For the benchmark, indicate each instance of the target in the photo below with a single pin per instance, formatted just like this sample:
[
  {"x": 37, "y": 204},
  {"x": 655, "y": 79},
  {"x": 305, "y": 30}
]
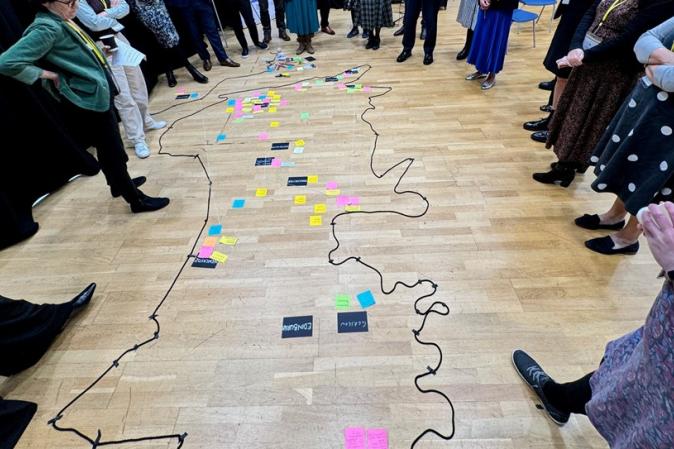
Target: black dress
[{"x": 559, "y": 47}]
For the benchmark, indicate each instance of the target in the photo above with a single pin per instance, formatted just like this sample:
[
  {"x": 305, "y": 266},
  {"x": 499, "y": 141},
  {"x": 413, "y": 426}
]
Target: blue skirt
[
  {"x": 301, "y": 16},
  {"x": 490, "y": 43}
]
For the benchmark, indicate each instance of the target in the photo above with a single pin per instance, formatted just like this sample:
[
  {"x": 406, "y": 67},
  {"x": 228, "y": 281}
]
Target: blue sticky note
[
  {"x": 365, "y": 299},
  {"x": 231, "y": 102},
  {"x": 194, "y": 95},
  {"x": 215, "y": 230},
  {"x": 238, "y": 203},
  {"x": 221, "y": 137}
]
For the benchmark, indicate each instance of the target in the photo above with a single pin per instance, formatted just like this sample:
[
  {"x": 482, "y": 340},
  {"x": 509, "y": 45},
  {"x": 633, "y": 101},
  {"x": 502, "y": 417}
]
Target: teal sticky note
[
  {"x": 215, "y": 230},
  {"x": 221, "y": 137},
  {"x": 194, "y": 95},
  {"x": 366, "y": 299},
  {"x": 238, "y": 203},
  {"x": 231, "y": 102}
]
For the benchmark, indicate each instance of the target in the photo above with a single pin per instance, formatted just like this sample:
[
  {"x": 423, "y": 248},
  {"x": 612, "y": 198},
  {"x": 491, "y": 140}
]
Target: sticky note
[
  {"x": 221, "y": 137},
  {"x": 342, "y": 302},
  {"x": 238, "y": 203},
  {"x": 220, "y": 257},
  {"x": 366, "y": 299},
  {"x": 341, "y": 86},
  {"x": 298, "y": 150},
  {"x": 300, "y": 199},
  {"x": 210, "y": 241},
  {"x": 194, "y": 95},
  {"x": 261, "y": 192},
  {"x": 231, "y": 102},
  {"x": 304, "y": 116},
  {"x": 299, "y": 143},
  {"x": 313, "y": 179},
  {"x": 352, "y": 208},
  {"x": 342, "y": 200},
  {"x": 334, "y": 192},
  {"x": 284, "y": 102},
  {"x": 205, "y": 252},
  {"x": 354, "y": 438},
  {"x": 276, "y": 162},
  {"x": 377, "y": 439},
  {"x": 331, "y": 185},
  {"x": 272, "y": 109},
  {"x": 215, "y": 230},
  {"x": 274, "y": 124},
  {"x": 229, "y": 110},
  {"x": 228, "y": 240},
  {"x": 354, "y": 200},
  {"x": 315, "y": 220},
  {"x": 263, "y": 136},
  {"x": 367, "y": 89},
  {"x": 287, "y": 164},
  {"x": 320, "y": 208}
]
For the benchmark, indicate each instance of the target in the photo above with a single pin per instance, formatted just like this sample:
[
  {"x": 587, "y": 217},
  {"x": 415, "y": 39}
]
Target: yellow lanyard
[
  {"x": 89, "y": 43},
  {"x": 608, "y": 12}
]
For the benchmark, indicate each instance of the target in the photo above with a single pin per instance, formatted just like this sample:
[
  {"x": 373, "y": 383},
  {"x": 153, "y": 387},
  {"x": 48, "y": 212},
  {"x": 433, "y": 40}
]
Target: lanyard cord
[
  {"x": 614, "y": 5},
  {"x": 89, "y": 43}
]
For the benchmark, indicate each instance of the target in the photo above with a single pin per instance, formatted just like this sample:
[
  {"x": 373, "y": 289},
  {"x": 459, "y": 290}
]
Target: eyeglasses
[{"x": 69, "y": 3}]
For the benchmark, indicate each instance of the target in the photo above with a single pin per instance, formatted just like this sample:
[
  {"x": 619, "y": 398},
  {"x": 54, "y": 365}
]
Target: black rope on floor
[{"x": 154, "y": 317}]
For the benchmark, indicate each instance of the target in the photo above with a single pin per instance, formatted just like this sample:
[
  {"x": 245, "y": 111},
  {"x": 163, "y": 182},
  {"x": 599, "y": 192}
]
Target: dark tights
[{"x": 569, "y": 397}]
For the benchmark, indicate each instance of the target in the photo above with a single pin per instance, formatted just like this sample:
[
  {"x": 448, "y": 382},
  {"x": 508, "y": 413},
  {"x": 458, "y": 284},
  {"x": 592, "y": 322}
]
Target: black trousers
[
  {"x": 280, "y": 14},
  {"x": 200, "y": 20},
  {"x": 324, "y": 9},
  {"x": 430, "y": 10},
  {"x": 243, "y": 8},
  {"x": 569, "y": 397},
  {"x": 101, "y": 130}
]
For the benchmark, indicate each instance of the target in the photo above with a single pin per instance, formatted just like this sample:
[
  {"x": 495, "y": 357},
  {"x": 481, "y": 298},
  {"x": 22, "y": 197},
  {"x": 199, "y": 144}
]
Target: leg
[
  {"x": 615, "y": 214},
  {"x": 204, "y": 13},
  {"x": 557, "y": 92},
  {"x": 129, "y": 111},
  {"x": 247, "y": 14},
  {"x": 280, "y": 14},
  {"x": 324, "y": 8},
  {"x": 412, "y": 11},
  {"x": 264, "y": 15},
  {"x": 569, "y": 397},
  {"x": 627, "y": 235},
  {"x": 430, "y": 12},
  {"x": 191, "y": 19}
]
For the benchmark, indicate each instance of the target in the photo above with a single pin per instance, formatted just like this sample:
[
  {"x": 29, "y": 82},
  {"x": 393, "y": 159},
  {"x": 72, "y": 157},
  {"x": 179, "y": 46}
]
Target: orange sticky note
[
  {"x": 210, "y": 241},
  {"x": 315, "y": 220}
]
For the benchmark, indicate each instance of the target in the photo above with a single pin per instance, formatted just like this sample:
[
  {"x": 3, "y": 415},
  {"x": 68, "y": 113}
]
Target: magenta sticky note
[
  {"x": 342, "y": 200},
  {"x": 276, "y": 162},
  {"x": 341, "y": 86},
  {"x": 263, "y": 136},
  {"x": 284, "y": 102},
  {"x": 205, "y": 252},
  {"x": 377, "y": 439},
  {"x": 331, "y": 185},
  {"x": 354, "y": 200},
  {"x": 354, "y": 438},
  {"x": 257, "y": 108},
  {"x": 238, "y": 114},
  {"x": 366, "y": 89}
]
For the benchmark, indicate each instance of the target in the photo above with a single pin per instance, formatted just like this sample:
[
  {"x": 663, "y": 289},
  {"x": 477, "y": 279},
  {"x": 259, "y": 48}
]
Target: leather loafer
[
  {"x": 428, "y": 59},
  {"x": 399, "y": 32},
  {"x": 540, "y": 136},
  {"x": 146, "y": 203},
  {"x": 229, "y": 63},
  {"x": 537, "y": 125},
  {"x": 606, "y": 245},
  {"x": 546, "y": 85},
  {"x": 546, "y": 108},
  {"x": 404, "y": 56},
  {"x": 593, "y": 222},
  {"x": 139, "y": 181},
  {"x": 328, "y": 30},
  {"x": 207, "y": 65},
  {"x": 261, "y": 45}
]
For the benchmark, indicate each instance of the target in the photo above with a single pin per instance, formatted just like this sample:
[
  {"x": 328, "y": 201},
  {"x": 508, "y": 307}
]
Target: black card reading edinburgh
[
  {"x": 204, "y": 263},
  {"x": 331, "y": 78},
  {"x": 309, "y": 58},
  {"x": 297, "y": 326},
  {"x": 263, "y": 161},
  {"x": 297, "y": 181},
  {"x": 182, "y": 96},
  {"x": 351, "y": 322},
  {"x": 280, "y": 146}
]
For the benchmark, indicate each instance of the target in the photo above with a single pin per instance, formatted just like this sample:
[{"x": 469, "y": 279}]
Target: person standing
[
  {"x": 81, "y": 80},
  {"x": 373, "y": 15},
  {"x": 430, "y": 10},
  {"x": 303, "y": 21},
  {"x": 467, "y": 17},
  {"x": 279, "y": 11},
  {"x": 234, "y": 10},
  {"x": 324, "y": 8}
]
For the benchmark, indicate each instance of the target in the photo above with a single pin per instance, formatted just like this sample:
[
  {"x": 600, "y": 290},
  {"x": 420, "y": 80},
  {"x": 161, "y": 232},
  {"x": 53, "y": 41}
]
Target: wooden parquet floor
[{"x": 503, "y": 249}]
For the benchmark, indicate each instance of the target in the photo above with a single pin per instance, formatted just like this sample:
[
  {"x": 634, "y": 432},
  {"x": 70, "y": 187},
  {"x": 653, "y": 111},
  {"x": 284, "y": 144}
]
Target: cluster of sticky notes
[
  {"x": 207, "y": 254},
  {"x": 365, "y": 299},
  {"x": 350, "y": 203},
  {"x": 248, "y": 107},
  {"x": 360, "y": 438}
]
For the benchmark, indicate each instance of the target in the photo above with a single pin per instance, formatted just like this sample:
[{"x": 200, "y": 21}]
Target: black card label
[
  {"x": 297, "y": 181},
  {"x": 204, "y": 263},
  {"x": 351, "y": 322},
  {"x": 297, "y": 326}
]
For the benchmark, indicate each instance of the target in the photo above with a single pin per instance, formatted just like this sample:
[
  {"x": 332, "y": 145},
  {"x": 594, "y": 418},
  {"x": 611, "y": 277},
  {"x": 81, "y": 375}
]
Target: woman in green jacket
[{"x": 75, "y": 71}]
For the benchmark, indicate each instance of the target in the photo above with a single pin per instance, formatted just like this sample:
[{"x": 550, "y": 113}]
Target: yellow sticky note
[
  {"x": 210, "y": 241},
  {"x": 315, "y": 220},
  {"x": 313, "y": 179},
  {"x": 300, "y": 199},
  {"x": 274, "y": 124},
  {"x": 229, "y": 110},
  {"x": 352, "y": 208},
  {"x": 272, "y": 108},
  {"x": 261, "y": 192},
  {"x": 226, "y": 240},
  {"x": 218, "y": 256},
  {"x": 333, "y": 192},
  {"x": 299, "y": 143},
  {"x": 320, "y": 208}
]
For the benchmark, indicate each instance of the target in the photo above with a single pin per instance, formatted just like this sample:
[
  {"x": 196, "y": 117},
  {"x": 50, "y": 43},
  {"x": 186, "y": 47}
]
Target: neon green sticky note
[{"x": 342, "y": 302}]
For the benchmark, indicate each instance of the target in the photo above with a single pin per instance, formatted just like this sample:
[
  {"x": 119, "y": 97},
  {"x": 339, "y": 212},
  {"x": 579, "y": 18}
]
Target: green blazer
[{"x": 50, "y": 40}]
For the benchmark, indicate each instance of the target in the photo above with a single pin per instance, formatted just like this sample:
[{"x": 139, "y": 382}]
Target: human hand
[
  {"x": 649, "y": 73},
  {"x": 563, "y": 63},
  {"x": 656, "y": 222},
  {"x": 54, "y": 77},
  {"x": 575, "y": 57},
  {"x": 661, "y": 56},
  {"x": 484, "y": 4}
]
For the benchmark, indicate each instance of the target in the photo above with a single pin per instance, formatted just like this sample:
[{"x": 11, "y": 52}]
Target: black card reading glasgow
[{"x": 351, "y": 322}]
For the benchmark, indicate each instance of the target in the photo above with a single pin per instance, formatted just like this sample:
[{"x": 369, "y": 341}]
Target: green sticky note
[
  {"x": 342, "y": 302},
  {"x": 304, "y": 116}
]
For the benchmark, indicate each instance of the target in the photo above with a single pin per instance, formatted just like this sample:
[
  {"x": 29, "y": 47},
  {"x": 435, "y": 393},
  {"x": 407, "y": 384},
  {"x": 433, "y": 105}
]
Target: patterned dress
[
  {"x": 154, "y": 15},
  {"x": 373, "y": 14},
  {"x": 467, "y": 15}
]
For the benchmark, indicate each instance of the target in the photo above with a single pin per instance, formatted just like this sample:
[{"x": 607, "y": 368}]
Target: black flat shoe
[
  {"x": 404, "y": 55},
  {"x": 146, "y": 203},
  {"x": 139, "y": 181},
  {"x": 428, "y": 59},
  {"x": 83, "y": 299},
  {"x": 579, "y": 170},
  {"x": 563, "y": 176},
  {"x": 353, "y": 33},
  {"x": 463, "y": 54},
  {"x": 261, "y": 45},
  {"x": 207, "y": 65},
  {"x": 546, "y": 85},
  {"x": 171, "y": 79},
  {"x": 605, "y": 245},
  {"x": 546, "y": 108},
  {"x": 370, "y": 42},
  {"x": 537, "y": 125},
  {"x": 593, "y": 222},
  {"x": 399, "y": 32},
  {"x": 540, "y": 136}
]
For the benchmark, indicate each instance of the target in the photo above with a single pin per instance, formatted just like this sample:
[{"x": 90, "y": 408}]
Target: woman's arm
[
  {"x": 584, "y": 26},
  {"x": 119, "y": 9},
  {"x": 19, "y": 60},
  {"x": 649, "y": 47}
]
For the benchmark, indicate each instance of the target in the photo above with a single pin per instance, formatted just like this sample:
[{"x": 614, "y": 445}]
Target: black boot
[
  {"x": 197, "y": 75},
  {"x": 370, "y": 41},
  {"x": 404, "y": 55},
  {"x": 283, "y": 35},
  {"x": 463, "y": 54},
  {"x": 377, "y": 43},
  {"x": 171, "y": 78},
  {"x": 267, "y": 36},
  {"x": 563, "y": 172}
]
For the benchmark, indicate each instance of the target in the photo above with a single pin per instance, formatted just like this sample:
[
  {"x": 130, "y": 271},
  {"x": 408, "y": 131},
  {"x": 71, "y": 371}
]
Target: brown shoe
[
  {"x": 309, "y": 47},
  {"x": 229, "y": 63},
  {"x": 328, "y": 30},
  {"x": 207, "y": 65},
  {"x": 302, "y": 45}
]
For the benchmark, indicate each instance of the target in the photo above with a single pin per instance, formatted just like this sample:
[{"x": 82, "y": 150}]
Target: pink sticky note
[
  {"x": 257, "y": 108},
  {"x": 377, "y": 439},
  {"x": 255, "y": 94},
  {"x": 205, "y": 252},
  {"x": 276, "y": 162},
  {"x": 284, "y": 102},
  {"x": 354, "y": 438},
  {"x": 342, "y": 200},
  {"x": 331, "y": 185},
  {"x": 263, "y": 136},
  {"x": 341, "y": 86},
  {"x": 354, "y": 200},
  {"x": 238, "y": 114},
  {"x": 366, "y": 89}
]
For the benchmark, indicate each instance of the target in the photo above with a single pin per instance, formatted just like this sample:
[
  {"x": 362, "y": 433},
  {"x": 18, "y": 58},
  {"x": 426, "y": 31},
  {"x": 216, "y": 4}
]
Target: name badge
[{"x": 591, "y": 40}]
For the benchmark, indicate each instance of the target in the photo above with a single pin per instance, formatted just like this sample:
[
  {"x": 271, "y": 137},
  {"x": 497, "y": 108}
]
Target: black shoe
[
  {"x": 83, "y": 299},
  {"x": 536, "y": 378},
  {"x": 428, "y": 59},
  {"x": 404, "y": 55},
  {"x": 540, "y": 136},
  {"x": 283, "y": 35},
  {"x": 422, "y": 35},
  {"x": 605, "y": 245},
  {"x": 377, "y": 43},
  {"x": 537, "y": 125},
  {"x": 463, "y": 54},
  {"x": 207, "y": 65},
  {"x": 366, "y": 34},
  {"x": 244, "y": 52},
  {"x": 328, "y": 30},
  {"x": 196, "y": 75},
  {"x": 370, "y": 42},
  {"x": 171, "y": 79},
  {"x": 146, "y": 203},
  {"x": 267, "y": 36},
  {"x": 562, "y": 174},
  {"x": 353, "y": 33},
  {"x": 139, "y": 181},
  {"x": 546, "y": 108},
  {"x": 593, "y": 222},
  {"x": 261, "y": 45},
  {"x": 229, "y": 63},
  {"x": 546, "y": 85},
  {"x": 579, "y": 170},
  {"x": 400, "y": 31}
]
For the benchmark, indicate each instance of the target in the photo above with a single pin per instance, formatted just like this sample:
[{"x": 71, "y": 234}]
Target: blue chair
[
  {"x": 542, "y": 4},
  {"x": 522, "y": 16}
]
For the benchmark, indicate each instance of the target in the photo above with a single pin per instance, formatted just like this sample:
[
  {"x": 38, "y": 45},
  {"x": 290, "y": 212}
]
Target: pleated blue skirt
[
  {"x": 301, "y": 16},
  {"x": 490, "y": 41}
]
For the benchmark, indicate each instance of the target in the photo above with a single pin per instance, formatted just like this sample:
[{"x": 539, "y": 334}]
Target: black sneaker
[
  {"x": 146, "y": 203},
  {"x": 535, "y": 377}
]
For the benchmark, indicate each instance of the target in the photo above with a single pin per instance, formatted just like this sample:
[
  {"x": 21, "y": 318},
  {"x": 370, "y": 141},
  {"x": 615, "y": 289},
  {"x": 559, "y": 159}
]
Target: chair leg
[{"x": 533, "y": 26}]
